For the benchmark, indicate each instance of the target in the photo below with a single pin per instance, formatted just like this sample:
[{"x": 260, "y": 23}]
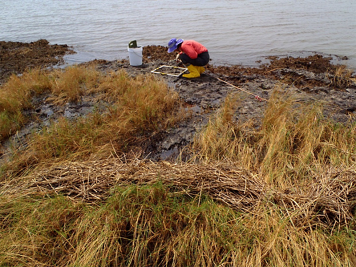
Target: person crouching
[{"x": 192, "y": 54}]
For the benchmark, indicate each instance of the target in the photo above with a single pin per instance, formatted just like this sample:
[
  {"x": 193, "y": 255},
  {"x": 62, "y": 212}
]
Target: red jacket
[{"x": 192, "y": 48}]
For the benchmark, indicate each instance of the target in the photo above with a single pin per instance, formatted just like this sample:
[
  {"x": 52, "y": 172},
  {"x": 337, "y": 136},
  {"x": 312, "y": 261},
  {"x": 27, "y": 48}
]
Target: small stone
[{"x": 266, "y": 86}]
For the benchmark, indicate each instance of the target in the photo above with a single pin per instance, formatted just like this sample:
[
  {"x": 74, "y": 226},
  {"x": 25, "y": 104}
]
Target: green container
[{"x": 133, "y": 44}]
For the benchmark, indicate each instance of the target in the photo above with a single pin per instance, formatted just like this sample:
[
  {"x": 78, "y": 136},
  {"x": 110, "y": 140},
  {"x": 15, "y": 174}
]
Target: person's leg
[
  {"x": 195, "y": 66},
  {"x": 185, "y": 59},
  {"x": 201, "y": 60}
]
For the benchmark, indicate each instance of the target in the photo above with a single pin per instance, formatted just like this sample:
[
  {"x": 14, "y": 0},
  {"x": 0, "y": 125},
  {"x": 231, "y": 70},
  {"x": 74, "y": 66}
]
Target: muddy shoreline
[
  {"x": 16, "y": 57},
  {"x": 310, "y": 79}
]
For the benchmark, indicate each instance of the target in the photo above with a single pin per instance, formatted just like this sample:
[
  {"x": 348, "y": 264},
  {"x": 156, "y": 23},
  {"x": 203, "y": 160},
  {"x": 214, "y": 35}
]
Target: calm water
[{"x": 234, "y": 31}]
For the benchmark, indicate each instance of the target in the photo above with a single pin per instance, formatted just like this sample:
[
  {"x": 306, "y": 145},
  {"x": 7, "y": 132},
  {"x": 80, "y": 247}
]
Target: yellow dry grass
[
  {"x": 167, "y": 218},
  {"x": 342, "y": 77},
  {"x": 15, "y": 96},
  {"x": 280, "y": 195},
  {"x": 135, "y": 109},
  {"x": 294, "y": 141}
]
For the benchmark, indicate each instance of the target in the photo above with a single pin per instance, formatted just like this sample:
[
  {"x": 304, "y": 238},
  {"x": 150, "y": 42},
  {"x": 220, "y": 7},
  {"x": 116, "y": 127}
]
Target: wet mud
[{"x": 309, "y": 79}]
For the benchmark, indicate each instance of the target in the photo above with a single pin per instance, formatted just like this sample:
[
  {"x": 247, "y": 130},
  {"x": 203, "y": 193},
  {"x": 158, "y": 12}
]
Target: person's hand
[{"x": 177, "y": 58}]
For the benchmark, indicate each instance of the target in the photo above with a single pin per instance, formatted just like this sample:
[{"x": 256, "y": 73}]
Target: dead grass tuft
[
  {"x": 294, "y": 141},
  {"x": 137, "y": 108},
  {"x": 342, "y": 77},
  {"x": 73, "y": 82},
  {"x": 15, "y": 96}
]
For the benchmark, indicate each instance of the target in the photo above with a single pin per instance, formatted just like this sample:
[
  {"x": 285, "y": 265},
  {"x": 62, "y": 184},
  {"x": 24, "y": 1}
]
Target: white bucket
[{"x": 135, "y": 55}]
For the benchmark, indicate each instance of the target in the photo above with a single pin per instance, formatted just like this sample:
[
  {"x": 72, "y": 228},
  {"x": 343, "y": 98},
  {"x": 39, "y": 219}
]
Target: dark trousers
[{"x": 201, "y": 60}]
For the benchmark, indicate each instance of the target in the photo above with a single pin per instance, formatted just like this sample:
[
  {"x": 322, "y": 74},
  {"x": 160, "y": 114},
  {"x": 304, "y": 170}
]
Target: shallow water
[{"x": 234, "y": 31}]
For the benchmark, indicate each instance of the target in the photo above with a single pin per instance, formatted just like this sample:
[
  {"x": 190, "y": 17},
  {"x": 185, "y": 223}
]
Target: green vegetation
[{"x": 287, "y": 198}]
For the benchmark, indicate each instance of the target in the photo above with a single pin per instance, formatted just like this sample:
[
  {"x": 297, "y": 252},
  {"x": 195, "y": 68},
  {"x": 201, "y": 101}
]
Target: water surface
[{"x": 234, "y": 31}]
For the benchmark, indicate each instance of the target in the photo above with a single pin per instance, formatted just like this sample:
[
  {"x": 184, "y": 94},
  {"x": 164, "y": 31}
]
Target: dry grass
[
  {"x": 169, "y": 217},
  {"x": 342, "y": 77},
  {"x": 137, "y": 108},
  {"x": 329, "y": 198},
  {"x": 137, "y": 99},
  {"x": 70, "y": 84},
  {"x": 280, "y": 195},
  {"x": 294, "y": 142},
  {"x": 17, "y": 92},
  {"x": 15, "y": 96}
]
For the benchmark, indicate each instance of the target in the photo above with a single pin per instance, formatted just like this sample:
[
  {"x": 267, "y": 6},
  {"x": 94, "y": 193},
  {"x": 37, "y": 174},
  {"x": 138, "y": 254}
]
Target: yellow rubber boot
[
  {"x": 201, "y": 69},
  {"x": 193, "y": 72}
]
